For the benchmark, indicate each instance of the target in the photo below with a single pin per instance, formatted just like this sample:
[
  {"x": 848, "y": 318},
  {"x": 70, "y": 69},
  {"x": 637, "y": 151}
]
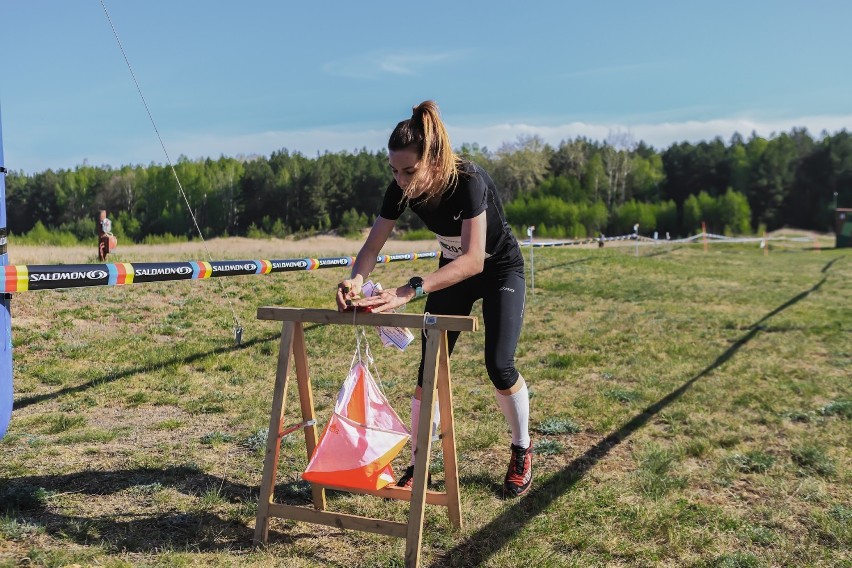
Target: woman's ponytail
[{"x": 425, "y": 131}]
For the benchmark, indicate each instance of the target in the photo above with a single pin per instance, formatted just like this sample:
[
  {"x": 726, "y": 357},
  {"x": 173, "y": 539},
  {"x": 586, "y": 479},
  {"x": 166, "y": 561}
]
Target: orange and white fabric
[{"x": 361, "y": 439}]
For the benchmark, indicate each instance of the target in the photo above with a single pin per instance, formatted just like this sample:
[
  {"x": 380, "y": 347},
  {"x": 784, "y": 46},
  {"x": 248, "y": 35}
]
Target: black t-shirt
[{"x": 473, "y": 193}]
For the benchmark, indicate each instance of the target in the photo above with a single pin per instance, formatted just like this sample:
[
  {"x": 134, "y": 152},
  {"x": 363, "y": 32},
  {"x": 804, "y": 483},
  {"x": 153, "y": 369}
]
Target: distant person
[
  {"x": 106, "y": 240},
  {"x": 480, "y": 259}
]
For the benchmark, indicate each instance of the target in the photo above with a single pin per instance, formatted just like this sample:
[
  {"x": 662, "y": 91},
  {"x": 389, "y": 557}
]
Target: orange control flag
[{"x": 362, "y": 438}]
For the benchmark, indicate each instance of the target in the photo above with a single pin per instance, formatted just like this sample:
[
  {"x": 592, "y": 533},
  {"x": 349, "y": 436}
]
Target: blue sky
[{"x": 253, "y": 77}]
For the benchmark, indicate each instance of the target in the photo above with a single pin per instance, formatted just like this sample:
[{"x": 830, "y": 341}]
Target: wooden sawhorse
[{"x": 436, "y": 376}]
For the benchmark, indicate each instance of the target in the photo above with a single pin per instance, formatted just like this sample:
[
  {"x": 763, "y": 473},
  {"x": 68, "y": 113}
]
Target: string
[
  {"x": 368, "y": 354},
  {"x": 372, "y": 362},
  {"x": 238, "y": 326},
  {"x": 357, "y": 337}
]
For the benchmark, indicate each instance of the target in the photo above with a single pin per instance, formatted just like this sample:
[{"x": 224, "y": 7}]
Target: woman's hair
[{"x": 425, "y": 133}]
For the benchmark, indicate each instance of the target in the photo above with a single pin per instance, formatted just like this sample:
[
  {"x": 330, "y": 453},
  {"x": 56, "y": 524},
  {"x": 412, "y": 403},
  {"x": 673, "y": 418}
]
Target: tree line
[{"x": 579, "y": 188}]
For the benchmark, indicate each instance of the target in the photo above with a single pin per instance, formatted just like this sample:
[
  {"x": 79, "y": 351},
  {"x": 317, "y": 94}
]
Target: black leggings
[{"x": 503, "y": 295}]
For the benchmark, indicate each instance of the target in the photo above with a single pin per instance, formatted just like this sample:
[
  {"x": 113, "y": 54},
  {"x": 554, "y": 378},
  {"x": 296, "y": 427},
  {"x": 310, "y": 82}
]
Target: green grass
[{"x": 688, "y": 409}]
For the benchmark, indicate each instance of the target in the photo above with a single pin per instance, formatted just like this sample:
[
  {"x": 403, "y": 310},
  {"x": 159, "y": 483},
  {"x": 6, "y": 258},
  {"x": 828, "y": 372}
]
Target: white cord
[
  {"x": 174, "y": 172},
  {"x": 368, "y": 354}
]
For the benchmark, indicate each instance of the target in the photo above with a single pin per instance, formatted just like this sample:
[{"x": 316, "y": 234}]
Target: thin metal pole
[{"x": 530, "y": 230}]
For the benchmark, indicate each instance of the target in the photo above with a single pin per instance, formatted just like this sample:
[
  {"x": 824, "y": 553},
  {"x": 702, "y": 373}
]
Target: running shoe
[
  {"x": 407, "y": 479},
  {"x": 519, "y": 476}
]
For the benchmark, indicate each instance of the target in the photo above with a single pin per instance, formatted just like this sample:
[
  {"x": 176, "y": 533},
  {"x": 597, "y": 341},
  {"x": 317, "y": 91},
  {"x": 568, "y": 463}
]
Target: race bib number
[{"x": 451, "y": 247}]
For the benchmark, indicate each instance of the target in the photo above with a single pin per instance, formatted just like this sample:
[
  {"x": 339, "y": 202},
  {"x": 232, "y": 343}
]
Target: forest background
[{"x": 580, "y": 188}]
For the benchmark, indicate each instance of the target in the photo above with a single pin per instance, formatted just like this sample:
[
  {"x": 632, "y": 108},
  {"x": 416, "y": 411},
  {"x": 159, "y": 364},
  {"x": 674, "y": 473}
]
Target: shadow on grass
[
  {"x": 488, "y": 539},
  {"x": 27, "y": 500},
  {"x": 110, "y": 377},
  {"x": 828, "y": 265}
]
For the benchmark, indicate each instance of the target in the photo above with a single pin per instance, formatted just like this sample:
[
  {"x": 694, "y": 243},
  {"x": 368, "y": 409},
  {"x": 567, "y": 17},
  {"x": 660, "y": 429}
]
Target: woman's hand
[
  {"x": 348, "y": 290},
  {"x": 365, "y": 262},
  {"x": 386, "y": 300}
]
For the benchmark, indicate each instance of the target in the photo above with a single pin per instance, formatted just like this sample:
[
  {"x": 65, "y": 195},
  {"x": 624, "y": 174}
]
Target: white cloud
[
  {"x": 660, "y": 135},
  {"x": 346, "y": 138},
  {"x": 617, "y": 70},
  {"x": 373, "y": 64},
  {"x": 352, "y": 138}
]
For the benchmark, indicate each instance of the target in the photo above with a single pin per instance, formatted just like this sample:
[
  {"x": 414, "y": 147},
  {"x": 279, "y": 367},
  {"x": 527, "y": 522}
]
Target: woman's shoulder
[
  {"x": 469, "y": 168},
  {"x": 471, "y": 172}
]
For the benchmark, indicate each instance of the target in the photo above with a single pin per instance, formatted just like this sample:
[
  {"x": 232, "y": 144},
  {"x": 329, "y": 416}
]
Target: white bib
[{"x": 451, "y": 247}]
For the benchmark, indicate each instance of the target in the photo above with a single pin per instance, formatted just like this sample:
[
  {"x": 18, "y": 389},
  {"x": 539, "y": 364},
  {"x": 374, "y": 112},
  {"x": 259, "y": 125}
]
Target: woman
[{"x": 480, "y": 259}]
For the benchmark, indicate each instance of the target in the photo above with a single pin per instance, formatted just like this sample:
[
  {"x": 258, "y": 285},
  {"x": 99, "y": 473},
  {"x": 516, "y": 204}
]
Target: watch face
[{"x": 416, "y": 282}]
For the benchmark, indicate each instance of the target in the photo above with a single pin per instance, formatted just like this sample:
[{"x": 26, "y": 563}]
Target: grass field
[{"x": 689, "y": 408}]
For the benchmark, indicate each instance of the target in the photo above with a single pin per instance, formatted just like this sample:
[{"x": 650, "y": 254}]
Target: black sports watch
[{"x": 416, "y": 284}]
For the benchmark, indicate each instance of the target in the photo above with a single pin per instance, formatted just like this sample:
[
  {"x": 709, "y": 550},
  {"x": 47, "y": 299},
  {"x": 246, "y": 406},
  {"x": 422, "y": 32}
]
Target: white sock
[
  {"x": 516, "y": 409},
  {"x": 415, "y": 420}
]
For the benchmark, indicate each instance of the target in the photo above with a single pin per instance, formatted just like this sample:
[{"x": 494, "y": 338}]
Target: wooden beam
[
  {"x": 306, "y": 402},
  {"x": 417, "y": 321},
  {"x": 273, "y": 440},
  {"x": 423, "y": 451},
  {"x": 448, "y": 437},
  {"x": 339, "y": 520},
  {"x": 438, "y": 498}
]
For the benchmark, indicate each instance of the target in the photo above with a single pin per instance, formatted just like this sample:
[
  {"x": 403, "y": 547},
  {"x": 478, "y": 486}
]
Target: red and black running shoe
[{"x": 519, "y": 477}]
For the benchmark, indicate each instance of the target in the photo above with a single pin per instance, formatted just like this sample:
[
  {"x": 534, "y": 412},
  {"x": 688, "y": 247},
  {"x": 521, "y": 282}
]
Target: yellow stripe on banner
[
  {"x": 128, "y": 272},
  {"x": 23, "y": 278},
  {"x": 208, "y": 269}
]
